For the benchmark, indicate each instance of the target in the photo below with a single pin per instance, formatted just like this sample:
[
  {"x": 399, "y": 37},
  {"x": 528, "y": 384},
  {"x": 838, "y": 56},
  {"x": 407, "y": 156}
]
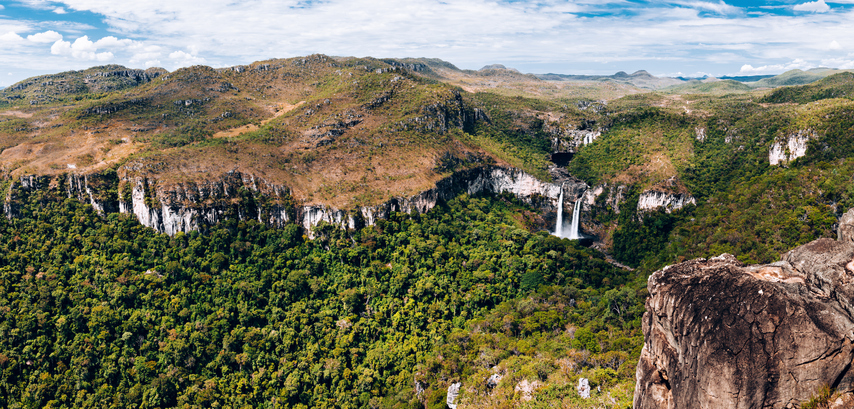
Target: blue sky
[{"x": 683, "y": 37}]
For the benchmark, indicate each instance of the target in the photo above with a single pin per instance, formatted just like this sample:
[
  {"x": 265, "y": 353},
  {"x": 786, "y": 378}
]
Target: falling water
[
  {"x": 573, "y": 228},
  {"x": 559, "y": 224}
]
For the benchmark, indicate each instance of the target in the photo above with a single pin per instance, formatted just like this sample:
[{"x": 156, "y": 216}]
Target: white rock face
[
  {"x": 790, "y": 148},
  {"x": 570, "y": 141},
  {"x": 453, "y": 393},
  {"x": 185, "y": 207},
  {"x": 493, "y": 380},
  {"x": 615, "y": 195},
  {"x": 78, "y": 186},
  {"x": 700, "y": 133},
  {"x": 653, "y": 199},
  {"x": 526, "y": 389},
  {"x": 513, "y": 181},
  {"x": 188, "y": 206},
  {"x": 481, "y": 180},
  {"x": 583, "y": 388}
]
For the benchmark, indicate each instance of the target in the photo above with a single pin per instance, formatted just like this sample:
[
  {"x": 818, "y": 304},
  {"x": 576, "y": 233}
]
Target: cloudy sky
[{"x": 681, "y": 37}]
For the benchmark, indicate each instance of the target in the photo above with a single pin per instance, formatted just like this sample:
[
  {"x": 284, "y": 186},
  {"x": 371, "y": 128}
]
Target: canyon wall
[{"x": 186, "y": 206}]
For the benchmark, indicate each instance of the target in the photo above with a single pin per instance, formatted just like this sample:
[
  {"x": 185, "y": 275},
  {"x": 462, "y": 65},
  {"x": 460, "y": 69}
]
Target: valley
[{"x": 356, "y": 232}]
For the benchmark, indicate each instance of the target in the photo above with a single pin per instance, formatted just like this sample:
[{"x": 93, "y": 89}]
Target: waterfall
[
  {"x": 573, "y": 233},
  {"x": 573, "y": 228},
  {"x": 559, "y": 224}
]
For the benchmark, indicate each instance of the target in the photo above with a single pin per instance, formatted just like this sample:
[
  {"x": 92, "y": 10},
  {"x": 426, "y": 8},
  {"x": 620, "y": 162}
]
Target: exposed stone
[
  {"x": 487, "y": 179},
  {"x": 720, "y": 334},
  {"x": 527, "y": 389},
  {"x": 614, "y": 195},
  {"x": 572, "y": 140},
  {"x": 793, "y": 146},
  {"x": 654, "y": 199},
  {"x": 18, "y": 189},
  {"x": 583, "y": 388},
  {"x": 187, "y": 206},
  {"x": 845, "y": 232},
  {"x": 493, "y": 380},
  {"x": 453, "y": 393},
  {"x": 700, "y": 134},
  {"x": 669, "y": 194}
]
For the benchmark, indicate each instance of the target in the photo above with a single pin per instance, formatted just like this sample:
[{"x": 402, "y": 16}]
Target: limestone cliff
[
  {"x": 191, "y": 205},
  {"x": 721, "y": 334},
  {"x": 669, "y": 194},
  {"x": 787, "y": 149},
  {"x": 654, "y": 199}
]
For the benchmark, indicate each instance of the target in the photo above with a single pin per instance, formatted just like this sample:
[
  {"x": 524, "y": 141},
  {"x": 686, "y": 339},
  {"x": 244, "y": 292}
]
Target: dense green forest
[{"x": 99, "y": 311}]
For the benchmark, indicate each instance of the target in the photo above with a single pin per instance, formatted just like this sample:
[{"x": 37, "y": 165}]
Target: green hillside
[
  {"x": 102, "y": 312},
  {"x": 99, "y": 311}
]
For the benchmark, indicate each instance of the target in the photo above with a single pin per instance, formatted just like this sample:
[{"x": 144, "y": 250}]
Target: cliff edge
[{"x": 721, "y": 334}]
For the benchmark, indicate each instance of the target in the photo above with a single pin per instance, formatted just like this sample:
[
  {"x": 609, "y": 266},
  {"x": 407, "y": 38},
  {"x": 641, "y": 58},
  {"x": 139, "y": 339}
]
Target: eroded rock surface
[{"x": 721, "y": 334}]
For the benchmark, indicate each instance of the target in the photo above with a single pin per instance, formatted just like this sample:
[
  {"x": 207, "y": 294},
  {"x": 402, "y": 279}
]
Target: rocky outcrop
[
  {"x": 721, "y": 334},
  {"x": 571, "y": 141},
  {"x": 452, "y": 395},
  {"x": 93, "y": 189},
  {"x": 669, "y": 194},
  {"x": 526, "y": 389},
  {"x": 487, "y": 179},
  {"x": 18, "y": 190},
  {"x": 186, "y": 206},
  {"x": 653, "y": 199},
  {"x": 787, "y": 149},
  {"x": 700, "y": 134},
  {"x": 614, "y": 195},
  {"x": 442, "y": 116}
]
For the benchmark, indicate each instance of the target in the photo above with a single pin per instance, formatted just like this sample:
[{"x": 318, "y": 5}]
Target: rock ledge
[{"x": 721, "y": 334}]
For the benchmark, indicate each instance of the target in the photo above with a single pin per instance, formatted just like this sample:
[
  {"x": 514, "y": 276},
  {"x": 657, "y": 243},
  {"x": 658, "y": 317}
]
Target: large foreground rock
[{"x": 720, "y": 334}]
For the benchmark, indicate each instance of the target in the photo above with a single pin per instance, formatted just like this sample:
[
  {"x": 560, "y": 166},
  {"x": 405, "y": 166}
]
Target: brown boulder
[{"x": 720, "y": 334}]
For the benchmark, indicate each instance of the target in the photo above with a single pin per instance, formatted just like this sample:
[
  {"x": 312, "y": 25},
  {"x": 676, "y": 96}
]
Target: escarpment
[
  {"x": 721, "y": 334},
  {"x": 172, "y": 207}
]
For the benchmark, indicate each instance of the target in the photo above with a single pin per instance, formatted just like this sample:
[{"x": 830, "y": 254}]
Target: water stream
[
  {"x": 559, "y": 224},
  {"x": 573, "y": 226}
]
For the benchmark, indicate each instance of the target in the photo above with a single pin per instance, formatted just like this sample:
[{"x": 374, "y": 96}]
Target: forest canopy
[{"x": 99, "y": 311}]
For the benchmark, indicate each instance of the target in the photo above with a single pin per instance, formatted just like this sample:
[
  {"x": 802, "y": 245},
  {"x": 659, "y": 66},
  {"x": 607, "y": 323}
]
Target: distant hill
[
  {"x": 713, "y": 86},
  {"x": 640, "y": 79},
  {"x": 746, "y": 78},
  {"x": 839, "y": 85},
  {"x": 75, "y": 84},
  {"x": 796, "y": 77}
]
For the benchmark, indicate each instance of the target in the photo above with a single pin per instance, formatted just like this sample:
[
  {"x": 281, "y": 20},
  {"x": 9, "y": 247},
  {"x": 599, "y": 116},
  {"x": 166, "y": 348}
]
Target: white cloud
[
  {"x": 49, "y": 36},
  {"x": 546, "y": 35},
  {"x": 81, "y": 49},
  {"x": 144, "y": 57},
  {"x": 797, "y": 64},
  {"x": 60, "y": 10},
  {"x": 10, "y": 38},
  {"x": 183, "y": 59},
  {"x": 818, "y": 6},
  {"x": 113, "y": 42},
  {"x": 720, "y": 7}
]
